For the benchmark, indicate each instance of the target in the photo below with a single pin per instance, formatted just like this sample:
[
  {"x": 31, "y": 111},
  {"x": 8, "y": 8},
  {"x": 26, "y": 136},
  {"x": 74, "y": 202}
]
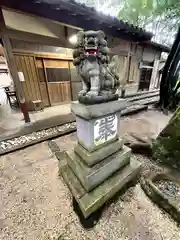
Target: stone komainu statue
[{"x": 100, "y": 82}]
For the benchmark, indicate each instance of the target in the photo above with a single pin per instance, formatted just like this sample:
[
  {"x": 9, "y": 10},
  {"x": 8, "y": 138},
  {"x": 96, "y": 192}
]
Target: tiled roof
[{"x": 79, "y": 15}]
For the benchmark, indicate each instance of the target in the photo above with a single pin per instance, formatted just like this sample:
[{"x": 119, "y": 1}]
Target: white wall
[
  {"x": 5, "y": 80},
  {"x": 2, "y": 96},
  {"x": 31, "y": 24}
]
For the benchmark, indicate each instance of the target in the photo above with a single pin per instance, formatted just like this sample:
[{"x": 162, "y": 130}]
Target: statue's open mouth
[{"x": 91, "y": 50}]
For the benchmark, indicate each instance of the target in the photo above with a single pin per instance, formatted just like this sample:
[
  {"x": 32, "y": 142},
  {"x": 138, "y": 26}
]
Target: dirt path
[
  {"x": 36, "y": 204},
  {"x": 145, "y": 125}
]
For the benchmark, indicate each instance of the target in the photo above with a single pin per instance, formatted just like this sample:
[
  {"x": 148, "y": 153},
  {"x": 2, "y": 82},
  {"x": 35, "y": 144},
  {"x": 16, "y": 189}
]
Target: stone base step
[
  {"x": 141, "y": 93},
  {"x": 140, "y": 105},
  {"x": 90, "y": 177},
  {"x": 91, "y": 158},
  {"x": 133, "y": 109},
  {"x": 150, "y": 101},
  {"x": 142, "y": 97},
  {"x": 89, "y": 202}
]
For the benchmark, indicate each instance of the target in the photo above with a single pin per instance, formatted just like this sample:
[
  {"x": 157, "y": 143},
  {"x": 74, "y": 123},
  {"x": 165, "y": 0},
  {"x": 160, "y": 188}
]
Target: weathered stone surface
[
  {"x": 90, "y": 177},
  {"x": 88, "y": 131},
  {"x": 97, "y": 110},
  {"x": 166, "y": 147},
  {"x": 69, "y": 177},
  {"x": 89, "y": 100},
  {"x": 169, "y": 201},
  {"x": 93, "y": 200},
  {"x": 60, "y": 155},
  {"x": 98, "y": 155},
  {"x": 99, "y": 80},
  {"x": 53, "y": 146}
]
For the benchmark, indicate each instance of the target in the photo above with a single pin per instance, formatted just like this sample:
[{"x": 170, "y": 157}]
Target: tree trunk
[{"x": 168, "y": 72}]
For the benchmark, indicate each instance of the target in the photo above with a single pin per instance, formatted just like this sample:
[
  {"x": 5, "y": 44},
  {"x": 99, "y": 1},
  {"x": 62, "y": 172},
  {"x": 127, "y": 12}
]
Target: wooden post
[
  {"x": 153, "y": 81},
  {"x": 128, "y": 70},
  {"x": 14, "y": 73},
  {"x": 12, "y": 68}
]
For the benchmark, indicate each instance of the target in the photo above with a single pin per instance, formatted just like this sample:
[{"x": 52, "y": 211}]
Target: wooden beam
[
  {"x": 35, "y": 38},
  {"x": 129, "y": 61},
  {"x": 42, "y": 55},
  {"x": 40, "y": 17},
  {"x": 46, "y": 80}
]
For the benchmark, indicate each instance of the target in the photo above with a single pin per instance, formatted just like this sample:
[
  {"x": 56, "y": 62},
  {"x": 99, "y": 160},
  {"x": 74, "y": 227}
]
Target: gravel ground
[
  {"x": 169, "y": 188},
  {"x": 36, "y": 204},
  {"x": 33, "y": 137},
  {"x": 129, "y": 125}
]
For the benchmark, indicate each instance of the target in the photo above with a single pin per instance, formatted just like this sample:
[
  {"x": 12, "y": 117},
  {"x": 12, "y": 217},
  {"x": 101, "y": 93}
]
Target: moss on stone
[{"x": 166, "y": 148}]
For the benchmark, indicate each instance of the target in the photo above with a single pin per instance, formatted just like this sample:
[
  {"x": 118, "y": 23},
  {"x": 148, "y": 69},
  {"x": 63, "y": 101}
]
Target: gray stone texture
[
  {"x": 99, "y": 80},
  {"x": 100, "y": 165},
  {"x": 76, "y": 87},
  {"x": 91, "y": 158},
  {"x": 89, "y": 202},
  {"x": 85, "y": 133},
  {"x": 90, "y": 177},
  {"x": 97, "y": 110}
]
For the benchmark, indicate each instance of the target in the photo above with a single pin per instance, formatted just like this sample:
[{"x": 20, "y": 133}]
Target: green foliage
[
  {"x": 139, "y": 11},
  {"x": 135, "y": 11},
  {"x": 161, "y": 17}
]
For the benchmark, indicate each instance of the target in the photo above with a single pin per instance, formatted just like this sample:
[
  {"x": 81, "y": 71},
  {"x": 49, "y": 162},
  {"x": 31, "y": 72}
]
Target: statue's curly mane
[
  {"x": 79, "y": 52},
  {"x": 99, "y": 80}
]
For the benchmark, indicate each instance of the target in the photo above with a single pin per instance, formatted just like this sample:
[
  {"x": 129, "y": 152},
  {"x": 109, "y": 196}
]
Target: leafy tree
[
  {"x": 136, "y": 12},
  {"x": 161, "y": 17},
  {"x": 106, "y": 6},
  {"x": 158, "y": 16}
]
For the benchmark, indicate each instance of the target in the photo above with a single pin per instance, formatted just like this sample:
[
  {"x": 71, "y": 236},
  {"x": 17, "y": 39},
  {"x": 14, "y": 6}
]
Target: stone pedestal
[{"x": 99, "y": 165}]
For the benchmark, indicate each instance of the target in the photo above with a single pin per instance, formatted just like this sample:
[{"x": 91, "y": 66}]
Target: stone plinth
[
  {"x": 90, "y": 118},
  {"x": 99, "y": 165},
  {"x": 91, "y": 158},
  {"x": 97, "y": 110},
  {"x": 91, "y": 201},
  {"x": 90, "y": 177}
]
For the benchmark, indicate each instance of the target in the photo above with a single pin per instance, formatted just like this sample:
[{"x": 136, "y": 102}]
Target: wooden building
[{"x": 35, "y": 36}]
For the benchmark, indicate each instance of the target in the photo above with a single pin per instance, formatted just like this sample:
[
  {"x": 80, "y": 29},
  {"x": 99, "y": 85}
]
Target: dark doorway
[{"x": 145, "y": 76}]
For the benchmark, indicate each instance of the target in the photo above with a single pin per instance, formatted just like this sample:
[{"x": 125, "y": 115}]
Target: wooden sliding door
[
  {"x": 42, "y": 82},
  {"x": 58, "y": 80},
  {"x": 27, "y": 65},
  {"x": 54, "y": 80}
]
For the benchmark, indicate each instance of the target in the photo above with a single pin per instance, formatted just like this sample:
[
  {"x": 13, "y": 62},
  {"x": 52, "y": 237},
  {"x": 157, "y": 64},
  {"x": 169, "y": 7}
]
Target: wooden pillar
[
  {"x": 12, "y": 68},
  {"x": 128, "y": 69},
  {"x": 153, "y": 81}
]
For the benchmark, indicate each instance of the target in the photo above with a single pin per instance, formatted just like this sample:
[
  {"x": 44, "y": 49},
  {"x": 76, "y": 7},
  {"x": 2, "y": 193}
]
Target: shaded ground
[
  {"x": 145, "y": 125},
  {"x": 12, "y": 123},
  {"x": 36, "y": 204}
]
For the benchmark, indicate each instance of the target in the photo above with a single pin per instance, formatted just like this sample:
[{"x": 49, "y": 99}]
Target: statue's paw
[
  {"x": 82, "y": 93},
  {"x": 92, "y": 93}
]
